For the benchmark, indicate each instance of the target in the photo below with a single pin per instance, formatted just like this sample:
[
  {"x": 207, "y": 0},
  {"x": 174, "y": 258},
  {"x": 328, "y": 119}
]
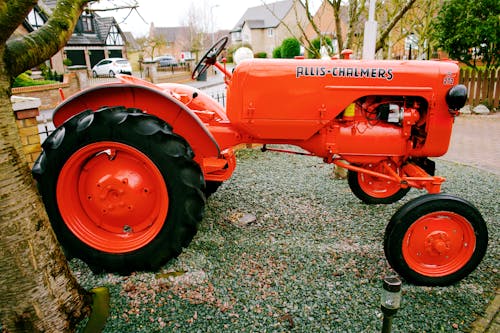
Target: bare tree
[
  {"x": 198, "y": 22},
  {"x": 154, "y": 43},
  {"x": 350, "y": 13}
]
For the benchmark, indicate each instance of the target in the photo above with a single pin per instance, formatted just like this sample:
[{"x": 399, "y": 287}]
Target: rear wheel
[
  {"x": 436, "y": 239},
  {"x": 121, "y": 189},
  {"x": 375, "y": 190},
  {"x": 111, "y": 74}
]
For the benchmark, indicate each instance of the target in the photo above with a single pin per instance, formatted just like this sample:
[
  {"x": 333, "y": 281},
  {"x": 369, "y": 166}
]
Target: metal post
[
  {"x": 370, "y": 38},
  {"x": 387, "y": 324}
]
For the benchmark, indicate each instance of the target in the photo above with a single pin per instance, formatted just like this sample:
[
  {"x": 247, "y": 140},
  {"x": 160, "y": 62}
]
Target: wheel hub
[
  {"x": 438, "y": 244},
  {"x": 118, "y": 193}
]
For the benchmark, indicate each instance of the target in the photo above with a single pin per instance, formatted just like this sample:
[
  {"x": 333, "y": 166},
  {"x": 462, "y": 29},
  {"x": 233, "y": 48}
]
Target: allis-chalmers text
[{"x": 354, "y": 72}]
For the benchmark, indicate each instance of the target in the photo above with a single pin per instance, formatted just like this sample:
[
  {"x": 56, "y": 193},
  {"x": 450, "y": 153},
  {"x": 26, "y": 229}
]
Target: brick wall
[
  {"x": 26, "y": 110},
  {"x": 49, "y": 94}
]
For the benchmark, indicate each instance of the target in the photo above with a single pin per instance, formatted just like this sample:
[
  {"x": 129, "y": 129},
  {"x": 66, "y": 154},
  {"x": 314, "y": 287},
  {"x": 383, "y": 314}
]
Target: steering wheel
[{"x": 209, "y": 58}]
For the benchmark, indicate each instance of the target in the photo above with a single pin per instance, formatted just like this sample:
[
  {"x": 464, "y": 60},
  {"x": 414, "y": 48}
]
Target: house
[
  {"x": 324, "y": 20},
  {"x": 178, "y": 40},
  {"x": 265, "y": 27},
  {"x": 93, "y": 39},
  {"x": 131, "y": 42},
  {"x": 169, "y": 40}
]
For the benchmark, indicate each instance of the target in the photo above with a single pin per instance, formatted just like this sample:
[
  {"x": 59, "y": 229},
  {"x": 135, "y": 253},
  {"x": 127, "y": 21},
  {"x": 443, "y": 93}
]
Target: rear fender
[{"x": 152, "y": 101}]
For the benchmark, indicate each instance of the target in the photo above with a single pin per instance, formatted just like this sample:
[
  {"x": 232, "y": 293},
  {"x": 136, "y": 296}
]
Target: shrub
[
  {"x": 290, "y": 48},
  {"x": 260, "y": 55},
  {"x": 277, "y": 52},
  {"x": 67, "y": 62},
  {"x": 24, "y": 80},
  {"x": 316, "y": 47}
]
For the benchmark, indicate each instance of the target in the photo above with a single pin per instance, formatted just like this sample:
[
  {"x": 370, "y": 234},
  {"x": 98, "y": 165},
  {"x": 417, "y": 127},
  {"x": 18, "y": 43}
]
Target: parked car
[
  {"x": 166, "y": 61},
  {"x": 111, "y": 66}
]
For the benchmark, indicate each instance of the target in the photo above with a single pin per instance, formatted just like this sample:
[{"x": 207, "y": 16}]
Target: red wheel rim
[
  {"x": 439, "y": 244},
  {"x": 112, "y": 197},
  {"x": 377, "y": 187}
]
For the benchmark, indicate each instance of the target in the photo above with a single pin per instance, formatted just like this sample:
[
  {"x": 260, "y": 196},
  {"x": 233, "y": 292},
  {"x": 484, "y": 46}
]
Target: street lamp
[
  {"x": 390, "y": 301},
  {"x": 212, "y": 22}
]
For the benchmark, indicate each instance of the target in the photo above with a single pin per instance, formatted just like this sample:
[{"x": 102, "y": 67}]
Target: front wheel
[
  {"x": 436, "y": 240},
  {"x": 121, "y": 189}
]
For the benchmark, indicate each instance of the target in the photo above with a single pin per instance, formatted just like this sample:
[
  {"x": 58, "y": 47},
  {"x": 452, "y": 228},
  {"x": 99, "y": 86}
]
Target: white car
[{"x": 111, "y": 66}]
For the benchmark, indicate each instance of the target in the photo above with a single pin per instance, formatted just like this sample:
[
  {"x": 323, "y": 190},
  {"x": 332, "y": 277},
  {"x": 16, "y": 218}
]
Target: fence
[
  {"x": 220, "y": 97},
  {"x": 174, "y": 69},
  {"x": 483, "y": 86}
]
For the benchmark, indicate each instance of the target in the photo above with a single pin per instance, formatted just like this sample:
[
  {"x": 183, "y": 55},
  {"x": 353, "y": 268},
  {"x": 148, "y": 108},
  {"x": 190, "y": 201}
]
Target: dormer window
[
  {"x": 86, "y": 23},
  {"x": 35, "y": 19}
]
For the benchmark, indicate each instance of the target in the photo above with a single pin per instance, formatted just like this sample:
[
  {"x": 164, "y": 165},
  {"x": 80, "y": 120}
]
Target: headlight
[{"x": 456, "y": 97}]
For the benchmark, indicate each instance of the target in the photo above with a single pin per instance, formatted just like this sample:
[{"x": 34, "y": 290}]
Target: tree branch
[
  {"x": 92, "y": 10},
  {"x": 12, "y": 16},
  {"x": 390, "y": 26},
  {"x": 32, "y": 49}
]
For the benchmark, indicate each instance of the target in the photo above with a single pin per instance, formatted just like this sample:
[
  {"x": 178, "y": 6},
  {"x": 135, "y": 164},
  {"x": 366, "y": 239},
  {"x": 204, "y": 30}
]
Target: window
[
  {"x": 236, "y": 36},
  {"x": 86, "y": 23},
  {"x": 270, "y": 32},
  {"x": 34, "y": 19},
  {"x": 114, "y": 37}
]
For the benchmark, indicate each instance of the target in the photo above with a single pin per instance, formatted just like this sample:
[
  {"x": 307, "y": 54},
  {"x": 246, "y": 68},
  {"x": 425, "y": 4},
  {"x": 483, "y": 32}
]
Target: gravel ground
[{"x": 312, "y": 261}]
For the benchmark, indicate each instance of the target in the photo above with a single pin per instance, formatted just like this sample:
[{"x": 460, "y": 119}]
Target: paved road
[{"x": 475, "y": 141}]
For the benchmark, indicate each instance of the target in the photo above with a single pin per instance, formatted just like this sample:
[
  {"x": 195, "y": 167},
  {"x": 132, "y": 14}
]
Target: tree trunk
[
  {"x": 338, "y": 26},
  {"x": 38, "y": 291}
]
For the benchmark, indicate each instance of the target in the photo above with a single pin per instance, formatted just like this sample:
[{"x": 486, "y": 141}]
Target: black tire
[
  {"x": 94, "y": 74},
  {"x": 428, "y": 240},
  {"x": 354, "y": 180},
  {"x": 163, "y": 153},
  {"x": 211, "y": 187},
  {"x": 112, "y": 74}
]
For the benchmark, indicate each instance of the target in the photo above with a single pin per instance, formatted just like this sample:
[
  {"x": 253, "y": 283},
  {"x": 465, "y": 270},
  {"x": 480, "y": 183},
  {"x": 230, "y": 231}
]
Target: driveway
[{"x": 475, "y": 141}]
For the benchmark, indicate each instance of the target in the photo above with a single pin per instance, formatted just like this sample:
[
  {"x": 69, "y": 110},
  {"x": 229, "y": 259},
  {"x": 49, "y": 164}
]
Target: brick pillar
[
  {"x": 26, "y": 109},
  {"x": 150, "y": 70},
  {"x": 81, "y": 74}
]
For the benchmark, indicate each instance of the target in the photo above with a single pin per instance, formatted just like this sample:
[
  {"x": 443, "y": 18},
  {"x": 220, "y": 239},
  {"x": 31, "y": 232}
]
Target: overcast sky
[{"x": 172, "y": 13}]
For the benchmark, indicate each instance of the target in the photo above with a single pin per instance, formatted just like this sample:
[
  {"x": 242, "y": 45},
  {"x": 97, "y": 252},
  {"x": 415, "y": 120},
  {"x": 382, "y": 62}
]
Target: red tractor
[{"x": 125, "y": 175}]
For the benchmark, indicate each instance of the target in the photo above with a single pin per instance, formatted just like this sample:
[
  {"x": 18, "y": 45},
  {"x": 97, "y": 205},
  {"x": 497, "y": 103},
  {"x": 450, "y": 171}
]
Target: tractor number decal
[
  {"x": 354, "y": 72},
  {"x": 449, "y": 79}
]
